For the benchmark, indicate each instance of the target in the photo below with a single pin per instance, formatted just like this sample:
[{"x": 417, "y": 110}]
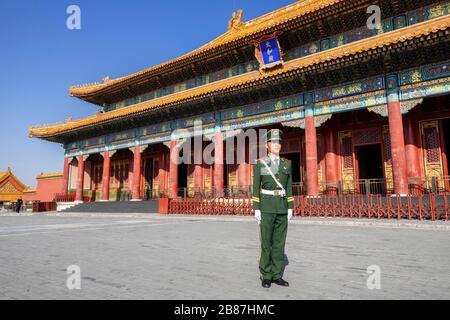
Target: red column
[
  {"x": 136, "y": 184},
  {"x": 397, "y": 147},
  {"x": 330, "y": 158},
  {"x": 312, "y": 180},
  {"x": 173, "y": 169},
  {"x": 65, "y": 187},
  {"x": 162, "y": 171},
  {"x": 130, "y": 175},
  {"x": 80, "y": 179},
  {"x": 106, "y": 176},
  {"x": 240, "y": 175},
  {"x": 218, "y": 164},
  {"x": 243, "y": 172},
  {"x": 411, "y": 150},
  {"x": 198, "y": 177}
]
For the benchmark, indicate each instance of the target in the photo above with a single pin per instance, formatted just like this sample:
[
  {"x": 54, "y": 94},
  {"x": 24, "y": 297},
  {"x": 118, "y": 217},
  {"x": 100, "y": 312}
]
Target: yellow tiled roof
[
  {"x": 50, "y": 175},
  {"x": 7, "y": 174},
  {"x": 401, "y": 35},
  {"x": 30, "y": 190},
  {"x": 246, "y": 30},
  {"x": 3, "y": 175}
]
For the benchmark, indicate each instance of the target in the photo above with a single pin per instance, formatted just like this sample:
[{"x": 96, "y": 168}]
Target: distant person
[{"x": 19, "y": 205}]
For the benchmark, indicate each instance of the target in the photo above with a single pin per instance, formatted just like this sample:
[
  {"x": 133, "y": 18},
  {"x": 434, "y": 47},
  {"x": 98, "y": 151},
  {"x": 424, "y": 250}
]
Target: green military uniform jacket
[{"x": 263, "y": 180}]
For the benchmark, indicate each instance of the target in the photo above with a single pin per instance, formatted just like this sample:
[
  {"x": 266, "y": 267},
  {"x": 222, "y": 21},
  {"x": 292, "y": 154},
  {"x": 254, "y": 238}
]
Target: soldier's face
[{"x": 274, "y": 147}]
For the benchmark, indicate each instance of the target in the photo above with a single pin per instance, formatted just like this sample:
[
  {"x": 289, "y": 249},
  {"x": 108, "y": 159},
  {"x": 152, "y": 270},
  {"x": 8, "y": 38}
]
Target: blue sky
[{"x": 40, "y": 59}]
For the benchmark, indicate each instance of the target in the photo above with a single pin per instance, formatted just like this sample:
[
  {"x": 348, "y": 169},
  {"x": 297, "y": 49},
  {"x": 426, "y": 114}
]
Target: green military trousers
[{"x": 273, "y": 231}]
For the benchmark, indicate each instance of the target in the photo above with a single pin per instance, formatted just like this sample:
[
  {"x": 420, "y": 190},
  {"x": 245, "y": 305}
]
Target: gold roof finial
[
  {"x": 105, "y": 79},
  {"x": 236, "y": 20}
]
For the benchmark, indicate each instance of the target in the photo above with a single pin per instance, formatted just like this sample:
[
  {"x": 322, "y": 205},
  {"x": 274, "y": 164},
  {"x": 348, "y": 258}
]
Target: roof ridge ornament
[{"x": 236, "y": 22}]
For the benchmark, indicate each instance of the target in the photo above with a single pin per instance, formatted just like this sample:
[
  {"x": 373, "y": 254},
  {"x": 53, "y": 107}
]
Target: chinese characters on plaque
[{"x": 268, "y": 51}]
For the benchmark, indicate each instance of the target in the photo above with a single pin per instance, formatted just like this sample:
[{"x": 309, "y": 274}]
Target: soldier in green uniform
[{"x": 273, "y": 202}]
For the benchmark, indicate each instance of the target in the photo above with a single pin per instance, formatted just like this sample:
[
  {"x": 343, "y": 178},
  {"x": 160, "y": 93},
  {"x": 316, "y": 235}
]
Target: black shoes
[
  {"x": 265, "y": 283},
  {"x": 281, "y": 282}
]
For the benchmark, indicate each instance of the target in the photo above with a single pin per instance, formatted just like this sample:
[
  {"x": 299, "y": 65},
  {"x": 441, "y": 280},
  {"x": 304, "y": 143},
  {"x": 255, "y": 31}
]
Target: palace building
[
  {"x": 363, "y": 110},
  {"x": 11, "y": 188}
]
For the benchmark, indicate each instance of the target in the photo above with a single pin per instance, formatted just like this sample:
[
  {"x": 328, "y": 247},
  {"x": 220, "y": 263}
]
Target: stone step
[{"x": 116, "y": 207}]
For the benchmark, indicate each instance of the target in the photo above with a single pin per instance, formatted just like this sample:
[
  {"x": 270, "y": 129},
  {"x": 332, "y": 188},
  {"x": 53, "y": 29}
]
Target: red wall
[{"x": 46, "y": 189}]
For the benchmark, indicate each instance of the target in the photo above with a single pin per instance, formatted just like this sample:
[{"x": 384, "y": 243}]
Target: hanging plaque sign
[{"x": 268, "y": 51}]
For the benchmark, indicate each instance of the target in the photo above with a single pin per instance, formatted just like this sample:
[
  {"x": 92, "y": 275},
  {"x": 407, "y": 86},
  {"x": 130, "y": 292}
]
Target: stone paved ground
[{"x": 156, "y": 257}]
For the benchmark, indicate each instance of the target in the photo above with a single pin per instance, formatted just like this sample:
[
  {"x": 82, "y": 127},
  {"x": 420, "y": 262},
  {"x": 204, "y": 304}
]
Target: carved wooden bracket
[
  {"x": 300, "y": 123},
  {"x": 405, "y": 107}
]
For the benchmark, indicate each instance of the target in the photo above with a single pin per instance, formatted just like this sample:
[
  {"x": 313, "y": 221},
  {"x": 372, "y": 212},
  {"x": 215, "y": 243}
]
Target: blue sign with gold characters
[{"x": 270, "y": 51}]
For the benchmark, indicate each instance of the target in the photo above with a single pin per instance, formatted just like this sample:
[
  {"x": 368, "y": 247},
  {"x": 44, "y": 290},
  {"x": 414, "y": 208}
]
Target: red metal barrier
[
  {"x": 62, "y": 197},
  {"x": 425, "y": 206},
  {"x": 44, "y": 206},
  {"x": 209, "y": 205},
  {"x": 88, "y": 198}
]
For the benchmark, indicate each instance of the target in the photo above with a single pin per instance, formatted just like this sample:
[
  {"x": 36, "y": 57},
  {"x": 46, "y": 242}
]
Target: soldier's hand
[
  {"x": 258, "y": 216},
  {"x": 289, "y": 214}
]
